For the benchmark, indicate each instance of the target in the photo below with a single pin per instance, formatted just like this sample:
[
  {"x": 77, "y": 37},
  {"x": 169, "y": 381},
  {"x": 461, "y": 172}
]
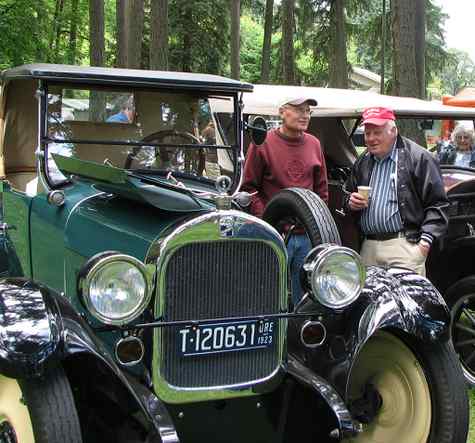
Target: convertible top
[
  {"x": 125, "y": 77},
  {"x": 347, "y": 103}
]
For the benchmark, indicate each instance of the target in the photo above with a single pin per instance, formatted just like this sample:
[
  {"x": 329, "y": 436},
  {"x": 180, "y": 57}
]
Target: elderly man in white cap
[{"x": 288, "y": 158}]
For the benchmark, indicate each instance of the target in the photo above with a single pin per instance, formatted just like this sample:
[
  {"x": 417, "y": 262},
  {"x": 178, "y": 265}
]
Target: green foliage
[
  {"x": 21, "y": 41},
  {"x": 252, "y": 36},
  {"x": 205, "y": 25},
  {"x": 199, "y": 38},
  {"x": 457, "y": 73}
]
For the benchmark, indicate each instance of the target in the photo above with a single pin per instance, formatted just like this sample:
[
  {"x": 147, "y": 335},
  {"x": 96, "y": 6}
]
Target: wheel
[
  {"x": 461, "y": 300},
  {"x": 175, "y": 158},
  {"x": 407, "y": 391},
  {"x": 306, "y": 207},
  {"x": 38, "y": 411}
]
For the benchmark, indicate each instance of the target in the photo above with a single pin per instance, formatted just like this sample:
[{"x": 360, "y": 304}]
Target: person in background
[
  {"x": 126, "y": 113},
  {"x": 288, "y": 158},
  {"x": 461, "y": 152},
  {"x": 407, "y": 207}
]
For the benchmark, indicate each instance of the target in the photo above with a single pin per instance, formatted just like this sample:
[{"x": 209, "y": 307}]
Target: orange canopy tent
[{"x": 464, "y": 99}]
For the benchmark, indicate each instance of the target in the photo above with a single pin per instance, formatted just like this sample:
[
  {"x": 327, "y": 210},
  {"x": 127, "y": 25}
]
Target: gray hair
[
  {"x": 391, "y": 124},
  {"x": 462, "y": 130}
]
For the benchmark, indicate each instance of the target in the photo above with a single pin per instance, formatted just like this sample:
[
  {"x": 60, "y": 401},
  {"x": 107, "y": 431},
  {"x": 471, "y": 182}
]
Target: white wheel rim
[
  {"x": 13, "y": 411},
  {"x": 395, "y": 372}
]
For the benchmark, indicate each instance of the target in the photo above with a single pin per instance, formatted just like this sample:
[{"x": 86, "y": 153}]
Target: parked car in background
[
  {"x": 141, "y": 304},
  {"x": 335, "y": 121}
]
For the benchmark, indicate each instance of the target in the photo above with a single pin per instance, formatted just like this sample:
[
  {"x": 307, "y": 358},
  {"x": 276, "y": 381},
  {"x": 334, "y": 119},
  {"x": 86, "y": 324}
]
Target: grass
[{"x": 471, "y": 432}]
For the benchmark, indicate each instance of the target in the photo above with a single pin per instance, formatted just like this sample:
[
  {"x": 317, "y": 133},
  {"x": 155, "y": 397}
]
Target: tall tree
[
  {"x": 338, "y": 63},
  {"x": 420, "y": 45},
  {"x": 96, "y": 32},
  {"x": 56, "y": 31},
  {"x": 288, "y": 26},
  {"x": 135, "y": 32},
  {"x": 404, "y": 56},
  {"x": 235, "y": 36},
  {"x": 404, "y": 61},
  {"x": 187, "y": 38},
  {"x": 122, "y": 39},
  {"x": 97, "y": 105},
  {"x": 159, "y": 35},
  {"x": 266, "y": 46},
  {"x": 73, "y": 27}
]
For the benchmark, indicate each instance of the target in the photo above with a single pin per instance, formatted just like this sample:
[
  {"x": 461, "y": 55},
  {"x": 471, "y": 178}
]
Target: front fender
[
  {"x": 30, "y": 328},
  {"x": 398, "y": 300},
  {"x": 39, "y": 328},
  {"x": 395, "y": 299}
]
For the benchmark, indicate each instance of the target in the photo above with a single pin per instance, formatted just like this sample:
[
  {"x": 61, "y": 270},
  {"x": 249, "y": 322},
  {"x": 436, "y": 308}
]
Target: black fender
[
  {"x": 395, "y": 299},
  {"x": 39, "y": 328}
]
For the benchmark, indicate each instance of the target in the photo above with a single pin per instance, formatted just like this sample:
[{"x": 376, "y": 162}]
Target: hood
[{"x": 155, "y": 191}]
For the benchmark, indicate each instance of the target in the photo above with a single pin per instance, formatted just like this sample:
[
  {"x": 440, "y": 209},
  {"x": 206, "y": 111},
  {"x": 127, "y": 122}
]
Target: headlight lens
[
  {"x": 335, "y": 275},
  {"x": 116, "y": 288}
]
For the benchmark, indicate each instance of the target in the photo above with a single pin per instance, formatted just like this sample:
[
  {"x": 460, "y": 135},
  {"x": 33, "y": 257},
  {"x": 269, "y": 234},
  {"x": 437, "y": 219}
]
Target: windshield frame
[{"x": 235, "y": 149}]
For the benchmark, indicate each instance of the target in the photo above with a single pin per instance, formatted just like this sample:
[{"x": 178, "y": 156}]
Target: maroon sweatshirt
[{"x": 282, "y": 162}]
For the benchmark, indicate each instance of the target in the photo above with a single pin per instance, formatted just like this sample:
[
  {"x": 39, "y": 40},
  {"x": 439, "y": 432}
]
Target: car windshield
[{"x": 146, "y": 131}]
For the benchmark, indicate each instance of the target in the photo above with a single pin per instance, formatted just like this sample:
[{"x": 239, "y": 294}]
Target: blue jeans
[{"x": 297, "y": 249}]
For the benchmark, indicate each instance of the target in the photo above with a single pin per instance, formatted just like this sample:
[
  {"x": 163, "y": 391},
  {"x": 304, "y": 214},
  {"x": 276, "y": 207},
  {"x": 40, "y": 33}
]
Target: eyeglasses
[
  {"x": 461, "y": 137},
  {"x": 301, "y": 111}
]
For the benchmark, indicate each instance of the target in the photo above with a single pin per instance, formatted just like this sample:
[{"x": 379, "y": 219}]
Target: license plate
[{"x": 226, "y": 337}]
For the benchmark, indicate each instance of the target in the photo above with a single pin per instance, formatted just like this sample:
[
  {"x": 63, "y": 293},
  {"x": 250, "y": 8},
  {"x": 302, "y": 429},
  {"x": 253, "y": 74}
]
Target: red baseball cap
[{"x": 377, "y": 116}]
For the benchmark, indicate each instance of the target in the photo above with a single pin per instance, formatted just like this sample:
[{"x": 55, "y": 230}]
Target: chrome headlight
[
  {"x": 115, "y": 288},
  {"x": 335, "y": 275}
]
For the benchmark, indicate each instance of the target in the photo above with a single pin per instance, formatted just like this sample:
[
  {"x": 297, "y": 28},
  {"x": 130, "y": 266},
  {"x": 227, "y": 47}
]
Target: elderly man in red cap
[
  {"x": 288, "y": 158},
  {"x": 406, "y": 208}
]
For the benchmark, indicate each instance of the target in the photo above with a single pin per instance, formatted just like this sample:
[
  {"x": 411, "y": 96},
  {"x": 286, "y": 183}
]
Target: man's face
[
  {"x": 379, "y": 139},
  {"x": 295, "y": 118}
]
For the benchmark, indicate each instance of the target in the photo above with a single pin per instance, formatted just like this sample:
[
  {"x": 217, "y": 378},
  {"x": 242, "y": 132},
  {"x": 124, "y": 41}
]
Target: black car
[{"x": 142, "y": 304}]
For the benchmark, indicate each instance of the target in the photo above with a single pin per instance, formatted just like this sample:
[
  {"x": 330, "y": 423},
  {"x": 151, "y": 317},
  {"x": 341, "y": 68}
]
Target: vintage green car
[{"x": 141, "y": 303}]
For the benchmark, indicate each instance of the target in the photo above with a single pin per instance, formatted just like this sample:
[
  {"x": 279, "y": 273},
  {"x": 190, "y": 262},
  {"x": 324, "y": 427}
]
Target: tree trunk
[
  {"x": 56, "y": 31},
  {"x": 40, "y": 31},
  {"x": 404, "y": 61},
  {"x": 288, "y": 25},
  {"x": 73, "y": 32},
  {"x": 235, "y": 36},
  {"x": 187, "y": 37},
  {"x": 266, "y": 46},
  {"x": 136, "y": 18},
  {"x": 404, "y": 57},
  {"x": 420, "y": 46},
  {"x": 338, "y": 70},
  {"x": 159, "y": 35},
  {"x": 121, "y": 33},
  {"x": 97, "y": 105}
]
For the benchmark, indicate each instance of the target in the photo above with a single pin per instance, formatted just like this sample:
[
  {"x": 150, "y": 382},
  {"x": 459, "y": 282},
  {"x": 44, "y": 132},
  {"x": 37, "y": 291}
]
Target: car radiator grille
[{"x": 215, "y": 280}]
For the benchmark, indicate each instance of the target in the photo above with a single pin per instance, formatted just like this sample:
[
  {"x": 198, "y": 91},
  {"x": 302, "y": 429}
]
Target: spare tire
[{"x": 308, "y": 209}]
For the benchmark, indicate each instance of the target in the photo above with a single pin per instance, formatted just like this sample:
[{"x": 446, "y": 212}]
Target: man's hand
[
  {"x": 424, "y": 247},
  {"x": 357, "y": 202}
]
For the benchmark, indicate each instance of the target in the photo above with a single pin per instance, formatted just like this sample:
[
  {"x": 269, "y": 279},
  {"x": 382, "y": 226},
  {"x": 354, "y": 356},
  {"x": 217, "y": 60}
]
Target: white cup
[{"x": 365, "y": 191}]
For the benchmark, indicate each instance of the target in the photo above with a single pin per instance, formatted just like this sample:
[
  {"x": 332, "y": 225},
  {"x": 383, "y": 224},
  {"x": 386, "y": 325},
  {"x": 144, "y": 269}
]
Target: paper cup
[{"x": 365, "y": 191}]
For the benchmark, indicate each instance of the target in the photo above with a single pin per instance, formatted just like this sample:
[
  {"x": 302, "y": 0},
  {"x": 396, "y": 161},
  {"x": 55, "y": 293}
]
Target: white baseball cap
[{"x": 297, "y": 101}]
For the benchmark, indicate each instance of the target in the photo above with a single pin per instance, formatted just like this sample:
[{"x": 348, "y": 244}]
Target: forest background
[{"x": 304, "y": 42}]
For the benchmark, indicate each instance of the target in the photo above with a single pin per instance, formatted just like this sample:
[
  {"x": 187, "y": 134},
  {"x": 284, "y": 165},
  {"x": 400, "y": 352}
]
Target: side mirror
[{"x": 257, "y": 130}]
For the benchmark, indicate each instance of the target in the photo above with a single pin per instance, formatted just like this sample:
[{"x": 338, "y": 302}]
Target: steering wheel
[{"x": 179, "y": 159}]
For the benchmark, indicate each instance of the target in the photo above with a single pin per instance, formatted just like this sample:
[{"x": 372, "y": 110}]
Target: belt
[{"x": 385, "y": 236}]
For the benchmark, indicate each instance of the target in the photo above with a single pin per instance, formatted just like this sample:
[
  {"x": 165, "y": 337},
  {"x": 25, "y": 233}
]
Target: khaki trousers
[{"x": 397, "y": 252}]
